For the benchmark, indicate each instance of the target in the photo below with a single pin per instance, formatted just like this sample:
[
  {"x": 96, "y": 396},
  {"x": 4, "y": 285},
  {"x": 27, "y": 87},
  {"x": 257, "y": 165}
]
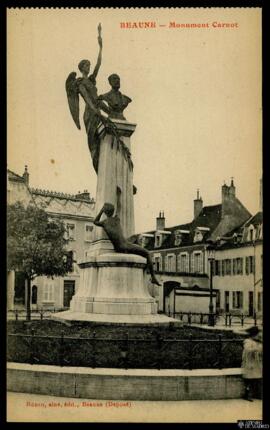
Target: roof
[
  {"x": 208, "y": 218},
  {"x": 14, "y": 176},
  {"x": 255, "y": 220},
  {"x": 238, "y": 236},
  {"x": 59, "y": 195},
  {"x": 231, "y": 245}
]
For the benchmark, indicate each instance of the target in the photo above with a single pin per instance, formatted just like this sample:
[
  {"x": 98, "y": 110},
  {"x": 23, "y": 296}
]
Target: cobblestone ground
[{"x": 22, "y": 407}]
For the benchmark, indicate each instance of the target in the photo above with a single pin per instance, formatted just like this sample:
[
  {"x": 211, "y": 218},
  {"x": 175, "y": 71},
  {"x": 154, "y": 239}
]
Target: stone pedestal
[
  {"x": 114, "y": 284},
  {"x": 114, "y": 171}
]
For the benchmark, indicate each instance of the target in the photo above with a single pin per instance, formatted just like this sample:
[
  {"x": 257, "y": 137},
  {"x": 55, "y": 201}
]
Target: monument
[{"x": 113, "y": 277}]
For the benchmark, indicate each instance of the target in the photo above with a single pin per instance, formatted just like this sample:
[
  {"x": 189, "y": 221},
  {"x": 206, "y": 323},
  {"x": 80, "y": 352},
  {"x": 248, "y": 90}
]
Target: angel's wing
[{"x": 73, "y": 98}]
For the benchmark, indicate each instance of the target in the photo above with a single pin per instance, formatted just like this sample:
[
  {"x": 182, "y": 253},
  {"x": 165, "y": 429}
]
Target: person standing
[{"x": 252, "y": 364}]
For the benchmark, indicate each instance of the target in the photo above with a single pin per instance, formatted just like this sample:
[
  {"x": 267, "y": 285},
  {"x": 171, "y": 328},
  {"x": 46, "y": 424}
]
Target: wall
[
  {"x": 190, "y": 281},
  {"x": 18, "y": 192},
  {"x": 188, "y": 301},
  {"x": 10, "y": 289},
  {"x": 121, "y": 384}
]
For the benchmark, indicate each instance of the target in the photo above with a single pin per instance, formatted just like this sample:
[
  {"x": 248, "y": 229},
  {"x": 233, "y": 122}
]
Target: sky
[{"x": 196, "y": 100}]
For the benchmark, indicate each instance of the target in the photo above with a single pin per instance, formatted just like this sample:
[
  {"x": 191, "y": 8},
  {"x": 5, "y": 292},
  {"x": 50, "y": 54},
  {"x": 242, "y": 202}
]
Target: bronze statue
[
  {"x": 117, "y": 101},
  {"x": 86, "y": 86},
  {"x": 112, "y": 227}
]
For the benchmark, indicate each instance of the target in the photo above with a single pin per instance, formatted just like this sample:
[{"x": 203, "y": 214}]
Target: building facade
[
  {"x": 181, "y": 259},
  {"x": 77, "y": 212},
  {"x": 238, "y": 274}
]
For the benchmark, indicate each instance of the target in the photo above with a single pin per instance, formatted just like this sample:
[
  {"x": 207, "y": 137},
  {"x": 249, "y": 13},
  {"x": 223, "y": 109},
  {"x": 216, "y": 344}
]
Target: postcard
[{"x": 141, "y": 129}]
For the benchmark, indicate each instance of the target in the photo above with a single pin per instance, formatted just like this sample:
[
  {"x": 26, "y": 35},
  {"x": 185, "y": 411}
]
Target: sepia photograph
[{"x": 135, "y": 215}]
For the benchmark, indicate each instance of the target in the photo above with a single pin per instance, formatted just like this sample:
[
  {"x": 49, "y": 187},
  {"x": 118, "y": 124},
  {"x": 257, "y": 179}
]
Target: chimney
[
  {"x": 26, "y": 175},
  {"x": 261, "y": 196},
  {"x": 232, "y": 189},
  {"x": 198, "y": 204},
  {"x": 160, "y": 224},
  {"x": 228, "y": 195},
  {"x": 85, "y": 195}
]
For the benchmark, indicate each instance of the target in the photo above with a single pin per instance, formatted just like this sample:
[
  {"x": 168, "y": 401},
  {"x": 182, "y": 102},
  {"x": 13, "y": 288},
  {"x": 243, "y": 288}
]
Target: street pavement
[{"x": 23, "y": 407}]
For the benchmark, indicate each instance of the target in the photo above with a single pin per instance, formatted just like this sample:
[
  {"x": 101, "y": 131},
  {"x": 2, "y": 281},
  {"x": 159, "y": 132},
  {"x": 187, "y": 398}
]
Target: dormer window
[
  {"x": 178, "y": 238},
  {"x": 199, "y": 233},
  {"x": 198, "y": 237},
  {"x": 142, "y": 240},
  {"x": 159, "y": 236},
  {"x": 251, "y": 234},
  {"x": 158, "y": 240}
]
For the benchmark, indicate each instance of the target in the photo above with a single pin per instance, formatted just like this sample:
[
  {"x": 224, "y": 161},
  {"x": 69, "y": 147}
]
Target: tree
[{"x": 35, "y": 245}]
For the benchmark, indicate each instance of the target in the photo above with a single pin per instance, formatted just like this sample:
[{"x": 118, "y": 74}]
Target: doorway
[
  {"x": 227, "y": 301},
  {"x": 250, "y": 303},
  {"x": 69, "y": 290},
  {"x": 19, "y": 289},
  {"x": 34, "y": 295}
]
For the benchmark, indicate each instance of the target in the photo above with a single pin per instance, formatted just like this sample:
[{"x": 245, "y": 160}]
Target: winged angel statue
[{"x": 86, "y": 87}]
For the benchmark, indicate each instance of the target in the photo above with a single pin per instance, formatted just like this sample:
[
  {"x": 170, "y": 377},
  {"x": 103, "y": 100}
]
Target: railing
[
  {"x": 36, "y": 314},
  {"x": 152, "y": 352},
  {"x": 239, "y": 318},
  {"x": 202, "y": 318},
  {"x": 192, "y": 317}
]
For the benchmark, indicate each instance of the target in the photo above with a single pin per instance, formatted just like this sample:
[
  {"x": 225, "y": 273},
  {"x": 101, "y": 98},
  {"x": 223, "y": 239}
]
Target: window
[
  {"x": 216, "y": 268},
  {"x": 198, "y": 237},
  {"x": 157, "y": 264},
  {"x": 198, "y": 262},
  {"x": 74, "y": 259},
  {"x": 220, "y": 267},
  {"x": 144, "y": 241},
  {"x": 88, "y": 232},
  {"x": 250, "y": 265},
  {"x": 48, "y": 292},
  {"x": 223, "y": 268},
  {"x": 237, "y": 299},
  {"x": 170, "y": 263},
  {"x": 192, "y": 262},
  {"x": 70, "y": 231},
  {"x": 178, "y": 238},
  {"x": 251, "y": 235},
  {"x": 247, "y": 266},
  {"x": 183, "y": 263},
  {"x": 157, "y": 240},
  {"x": 234, "y": 267},
  {"x": 228, "y": 267},
  {"x": 239, "y": 266}
]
